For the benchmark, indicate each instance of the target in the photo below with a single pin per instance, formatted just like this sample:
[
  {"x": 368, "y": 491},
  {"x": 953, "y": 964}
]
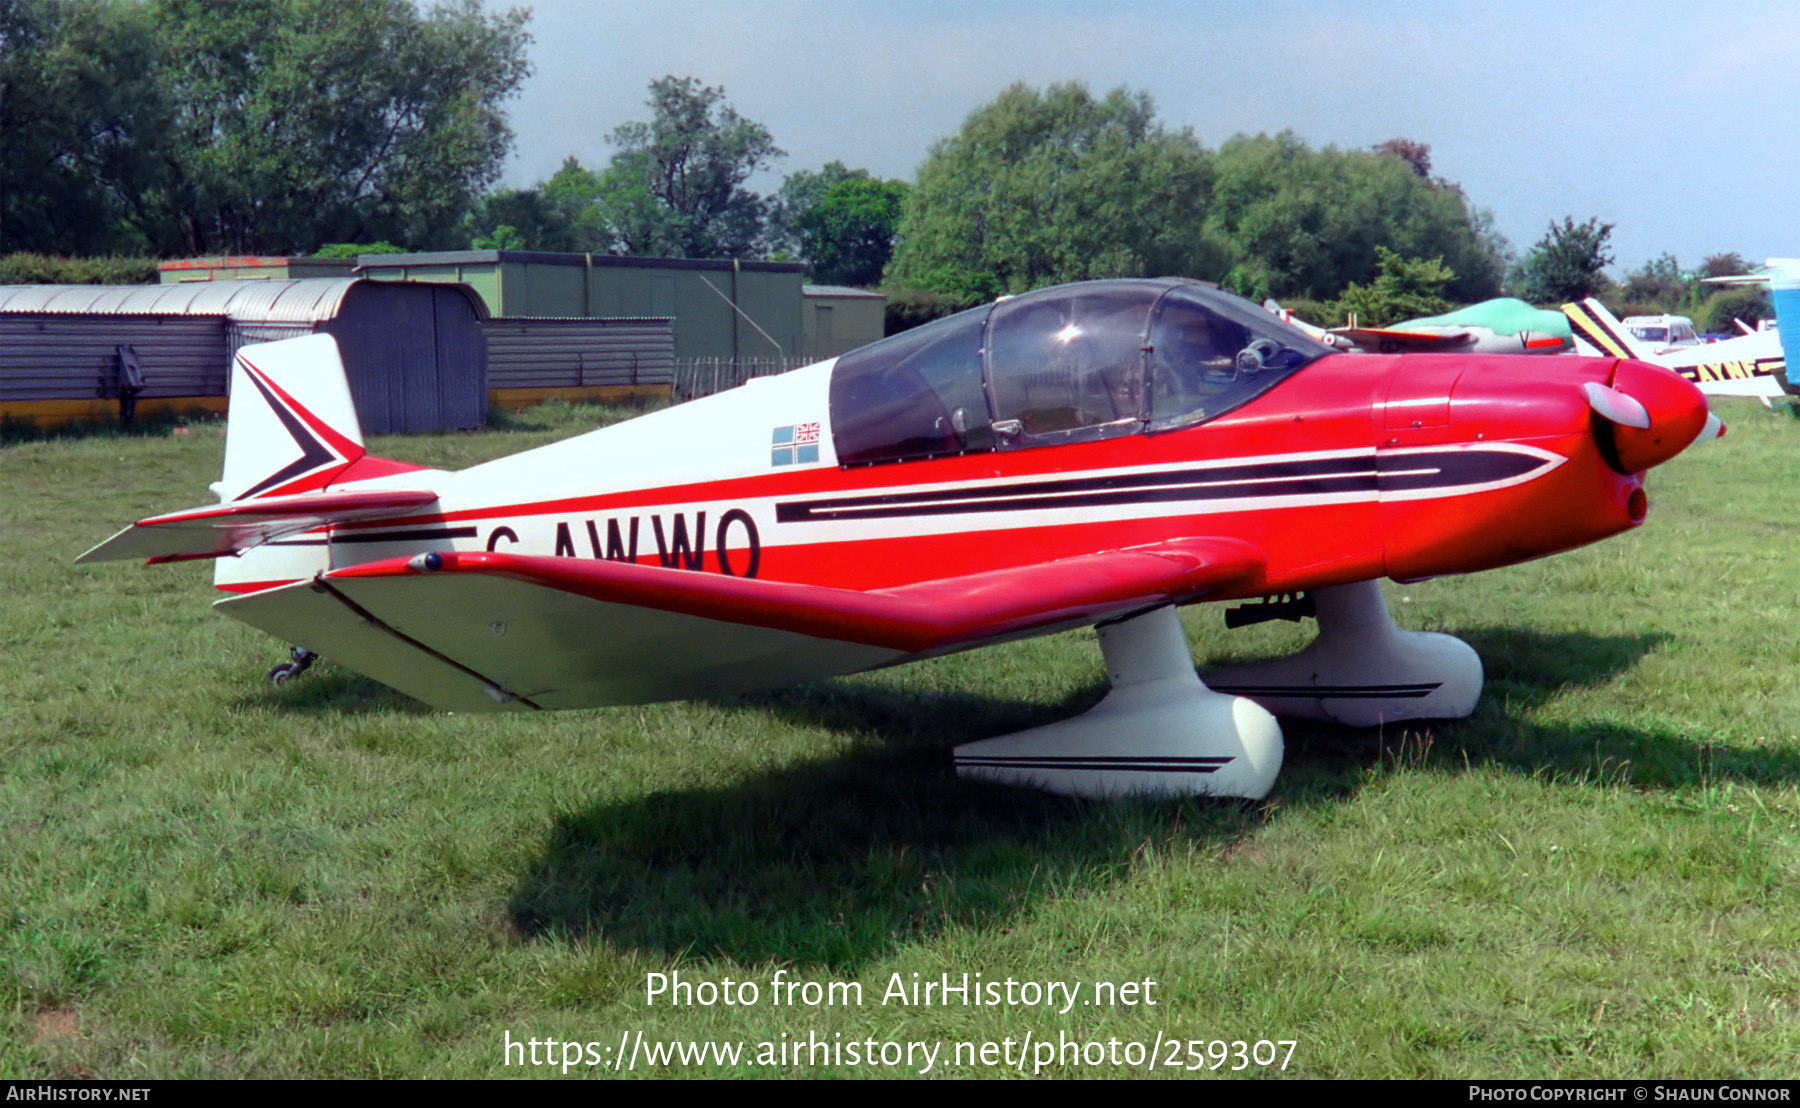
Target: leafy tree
[
  {"x": 1408, "y": 288},
  {"x": 514, "y": 219},
  {"x": 848, "y": 237},
  {"x": 1725, "y": 265},
  {"x": 188, "y": 126},
  {"x": 39, "y": 269},
  {"x": 910, "y": 307},
  {"x": 800, "y": 191},
  {"x": 842, "y": 222},
  {"x": 676, "y": 185},
  {"x": 78, "y": 109},
  {"x": 504, "y": 237},
  {"x": 1306, "y": 223},
  {"x": 1722, "y": 305},
  {"x": 1566, "y": 263},
  {"x": 631, "y": 220},
  {"x": 572, "y": 195},
  {"x": 1056, "y": 186},
  {"x": 1498, "y": 250},
  {"x": 1748, "y": 303},
  {"x": 1415, "y": 154},
  {"x": 356, "y": 249},
  {"x": 297, "y": 122},
  {"x": 1659, "y": 287}
]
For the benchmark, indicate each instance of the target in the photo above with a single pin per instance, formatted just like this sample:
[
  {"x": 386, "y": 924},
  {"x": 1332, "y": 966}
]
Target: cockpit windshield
[
  {"x": 1066, "y": 364},
  {"x": 1210, "y": 353}
]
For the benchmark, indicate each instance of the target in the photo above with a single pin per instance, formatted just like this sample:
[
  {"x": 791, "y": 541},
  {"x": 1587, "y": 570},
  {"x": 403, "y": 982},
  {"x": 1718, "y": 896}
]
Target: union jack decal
[{"x": 795, "y": 444}]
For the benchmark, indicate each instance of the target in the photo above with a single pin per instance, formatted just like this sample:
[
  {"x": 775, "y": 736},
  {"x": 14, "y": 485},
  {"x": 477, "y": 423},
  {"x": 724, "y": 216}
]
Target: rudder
[
  {"x": 292, "y": 426},
  {"x": 1596, "y": 327}
]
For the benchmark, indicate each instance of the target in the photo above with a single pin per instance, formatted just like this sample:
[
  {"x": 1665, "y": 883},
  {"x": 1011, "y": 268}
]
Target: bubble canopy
[{"x": 1073, "y": 363}]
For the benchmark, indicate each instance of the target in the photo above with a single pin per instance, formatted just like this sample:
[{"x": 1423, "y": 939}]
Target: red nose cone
[{"x": 1677, "y": 415}]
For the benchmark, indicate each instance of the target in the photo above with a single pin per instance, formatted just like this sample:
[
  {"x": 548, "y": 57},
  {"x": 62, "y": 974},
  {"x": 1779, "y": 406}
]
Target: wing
[
  {"x": 1389, "y": 340},
  {"x": 475, "y": 632},
  {"x": 229, "y": 528}
]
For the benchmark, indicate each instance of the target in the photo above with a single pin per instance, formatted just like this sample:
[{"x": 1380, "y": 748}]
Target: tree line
[
  {"x": 175, "y": 127},
  {"x": 1036, "y": 188},
  {"x": 185, "y": 127}
]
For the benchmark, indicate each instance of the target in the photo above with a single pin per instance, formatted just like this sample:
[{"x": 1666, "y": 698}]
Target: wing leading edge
[{"x": 476, "y": 632}]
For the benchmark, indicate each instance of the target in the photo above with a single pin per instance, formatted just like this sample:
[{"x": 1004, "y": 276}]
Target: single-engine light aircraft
[
  {"x": 1092, "y": 454},
  {"x": 1753, "y": 364},
  {"x": 1499, "y": 326}
]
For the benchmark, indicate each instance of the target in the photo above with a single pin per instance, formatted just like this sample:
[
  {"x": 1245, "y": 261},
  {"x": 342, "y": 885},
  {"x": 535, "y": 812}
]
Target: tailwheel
[{"x": 286, "y": 671}]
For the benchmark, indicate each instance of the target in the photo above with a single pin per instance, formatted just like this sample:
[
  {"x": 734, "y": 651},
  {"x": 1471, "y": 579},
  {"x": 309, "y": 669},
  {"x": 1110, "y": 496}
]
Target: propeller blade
[{"x": 1616, "y": 406}]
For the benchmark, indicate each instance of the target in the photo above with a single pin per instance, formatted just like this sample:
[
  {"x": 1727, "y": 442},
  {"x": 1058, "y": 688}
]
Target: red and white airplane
[{"x": 1088, "y": 455}]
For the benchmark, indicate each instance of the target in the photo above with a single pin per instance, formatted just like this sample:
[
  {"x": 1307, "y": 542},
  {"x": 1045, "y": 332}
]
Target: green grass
[{"x": 203, "y": 875}]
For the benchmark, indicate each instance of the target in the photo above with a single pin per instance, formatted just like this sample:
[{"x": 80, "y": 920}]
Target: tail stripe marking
[
  {"x": 1331, "y": 692},
  {"x": 1596, "y": 331},
  {"x": 324, "y": 430},
  {"x": 319, "y": 445},
  {"x": 1103, "y": 763}
]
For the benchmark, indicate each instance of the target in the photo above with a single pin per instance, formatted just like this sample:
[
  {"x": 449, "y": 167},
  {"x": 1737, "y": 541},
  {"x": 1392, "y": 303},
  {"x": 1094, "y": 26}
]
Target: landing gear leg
[
  {"x": 1159, "y": 731},
  {"x": 303, "y": 660},
  {"x": 1363, "y": 669}
]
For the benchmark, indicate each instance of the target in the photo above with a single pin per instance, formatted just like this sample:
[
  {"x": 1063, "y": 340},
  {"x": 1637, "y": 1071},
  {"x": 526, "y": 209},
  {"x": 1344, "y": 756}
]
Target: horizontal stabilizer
[
  {"x": 223, "y": 529},
  {"x": 476, "y": 631}
]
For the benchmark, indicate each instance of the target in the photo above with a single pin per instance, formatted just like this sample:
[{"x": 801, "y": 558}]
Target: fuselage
[{"x": 1351, "y": 468}]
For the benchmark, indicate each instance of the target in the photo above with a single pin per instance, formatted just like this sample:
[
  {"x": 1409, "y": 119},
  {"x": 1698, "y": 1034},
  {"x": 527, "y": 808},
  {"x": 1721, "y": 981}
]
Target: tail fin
[
  {"x": 1600, "y": 331},
  {"x": 293, "y": 431},
  {"x": 293, "y": 426}
]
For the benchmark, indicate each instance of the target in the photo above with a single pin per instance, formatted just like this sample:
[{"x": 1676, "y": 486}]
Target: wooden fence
[{"x": 698, "y": 377}]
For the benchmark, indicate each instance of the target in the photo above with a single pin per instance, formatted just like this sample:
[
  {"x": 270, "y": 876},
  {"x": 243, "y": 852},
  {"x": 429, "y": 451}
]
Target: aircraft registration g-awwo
[{"x": 1093, "y": 454}]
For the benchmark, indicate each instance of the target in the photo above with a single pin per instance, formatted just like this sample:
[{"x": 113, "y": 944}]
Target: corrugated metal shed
[
  {"x": 579, "y": 353},
  {"x": 306, "y": 300},
  {"x": 313, "y": 300},
  {"x": 414, "y": 352},
  {"x": 43, "y": 357},
  {"x": 201, "y": 300},
  {"x": 418, "y": 361}
]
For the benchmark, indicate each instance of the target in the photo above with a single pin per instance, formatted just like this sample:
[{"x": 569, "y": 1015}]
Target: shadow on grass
[
  {"x": 834, "y": 863},
  {"x": 337, "y": 692},
  {"x": 1538, "y": 664},
  {"x": 1525, "y": 670},
  {"x": 159, "y": 425}
]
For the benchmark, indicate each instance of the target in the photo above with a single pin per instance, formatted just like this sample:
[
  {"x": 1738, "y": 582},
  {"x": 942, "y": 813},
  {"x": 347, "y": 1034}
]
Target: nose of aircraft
[{"x": 1655, "y": 414}]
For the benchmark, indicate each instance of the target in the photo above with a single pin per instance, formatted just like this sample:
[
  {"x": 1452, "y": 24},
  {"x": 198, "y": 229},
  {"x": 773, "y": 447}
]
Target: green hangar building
[
  {"x": 730, "y": 319},
  {"x": 737, "y": 310}
]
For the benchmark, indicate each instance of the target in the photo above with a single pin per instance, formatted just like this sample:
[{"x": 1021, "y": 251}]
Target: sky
[{"x": 1662, "y": 119}]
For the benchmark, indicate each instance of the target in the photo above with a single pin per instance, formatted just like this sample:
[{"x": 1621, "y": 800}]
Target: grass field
[{"x": 204, "y": 875}]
